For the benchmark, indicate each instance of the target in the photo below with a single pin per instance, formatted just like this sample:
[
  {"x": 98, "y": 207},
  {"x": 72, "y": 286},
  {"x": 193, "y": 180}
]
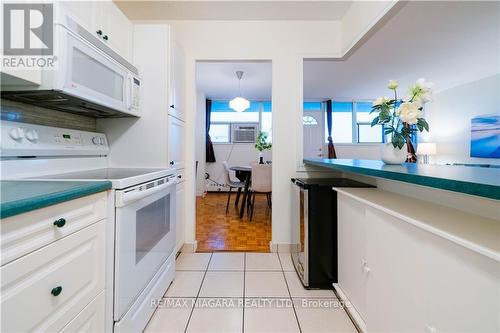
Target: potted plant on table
[
  {"x": 261, "y": 144},
  {"x": 402, "y": 118}
]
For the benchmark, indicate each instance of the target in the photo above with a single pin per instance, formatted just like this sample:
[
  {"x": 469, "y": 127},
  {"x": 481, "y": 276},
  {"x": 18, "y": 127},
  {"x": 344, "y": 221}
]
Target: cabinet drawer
[
  {"x": 30, "y": 299},
  {"x": 24, "y": 233},
  {"x": 90, "y": 320}
]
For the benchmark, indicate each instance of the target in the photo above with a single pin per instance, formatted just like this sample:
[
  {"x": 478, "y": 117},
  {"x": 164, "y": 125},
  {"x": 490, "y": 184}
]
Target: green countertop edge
[
  {"x": 17, "y": 207},
  {"x": 481, "y": 190}
]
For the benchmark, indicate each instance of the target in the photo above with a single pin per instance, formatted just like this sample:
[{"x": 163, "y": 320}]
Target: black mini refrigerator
[{"x": 314, "y": 231}]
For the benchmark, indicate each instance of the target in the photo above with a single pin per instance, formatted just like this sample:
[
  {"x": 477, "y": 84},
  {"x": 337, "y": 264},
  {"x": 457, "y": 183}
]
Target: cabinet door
[
  {"x": 90, "y": 319},
  {"x": 461, "y": 288},
  {"x": 175, "y": 142},
  {"x": 395, "y": 298},
  {"x": 351, "y": 256},
  {"x": 179, "y": 239},
  {"x": 176, "y": 86},
  {"x": 83, "y": 12},
  {"x": 117, "y": 27},
  {"x": 43, "y": 290}
]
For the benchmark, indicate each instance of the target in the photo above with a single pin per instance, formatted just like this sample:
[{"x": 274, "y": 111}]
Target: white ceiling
[
  {"x": 234, "y": 10},
  {"x": 218, "y": 79},
  {"x": 448, "y": 43}
]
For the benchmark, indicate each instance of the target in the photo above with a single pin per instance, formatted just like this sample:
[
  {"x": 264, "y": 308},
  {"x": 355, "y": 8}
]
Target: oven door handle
[{"x": 124, "y": 198}]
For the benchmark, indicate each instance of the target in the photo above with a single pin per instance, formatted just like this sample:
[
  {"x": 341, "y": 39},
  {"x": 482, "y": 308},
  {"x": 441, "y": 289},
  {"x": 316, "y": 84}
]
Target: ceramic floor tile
[
  {"x": 270, "y": 319},
  {"x": 222, "y": 284},
  {"x": 262, "y": 262},
  {"x": 324, "y": 319},
  {"x": 286, "y": 262},
  {"x": 171, "y": 318},
  {"x": 210, "y": 318},
  {"x": 297, "y": 290},
  {"x": 185, "y": 284},
  {"x": 192, "y": 261},
  {"x": 227, "y": 262},
  {"x": 265, "y": 284}
]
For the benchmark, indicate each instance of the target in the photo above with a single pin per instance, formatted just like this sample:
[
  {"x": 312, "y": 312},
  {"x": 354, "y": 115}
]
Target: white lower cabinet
[
  {"x": 90, "y": 319},
  {"x": 394, "y": 275},
  {"x": 56, "y": 282},
  {"x": 175, "y": 142},
  {"x": 402, "y": 278},
  {"x": 179, "y": 222},
  {"x": 352, "y": 252}
]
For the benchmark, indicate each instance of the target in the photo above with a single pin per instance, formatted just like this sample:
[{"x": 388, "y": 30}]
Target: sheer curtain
[
  {"x": 210, "y": 154},
  {"x": 331, "y": 148}
]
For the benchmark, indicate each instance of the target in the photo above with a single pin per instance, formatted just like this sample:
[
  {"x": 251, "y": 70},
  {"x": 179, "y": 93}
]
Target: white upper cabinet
[
  {"x": 175, "y": 143},
  {"x": 176, "y": 86},
  {"x": 104, "y": 20}
]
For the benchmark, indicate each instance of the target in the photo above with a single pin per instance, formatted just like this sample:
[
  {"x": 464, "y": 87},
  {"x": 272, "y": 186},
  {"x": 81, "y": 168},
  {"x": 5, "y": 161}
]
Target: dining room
[{"x": 233, "y": 156}]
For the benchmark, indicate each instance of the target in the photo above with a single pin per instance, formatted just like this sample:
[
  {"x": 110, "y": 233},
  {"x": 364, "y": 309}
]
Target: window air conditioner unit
[{"x": 244, "y": 133}]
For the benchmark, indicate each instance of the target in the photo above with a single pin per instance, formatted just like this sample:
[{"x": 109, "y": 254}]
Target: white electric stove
[{"x": 142, "y": 214}]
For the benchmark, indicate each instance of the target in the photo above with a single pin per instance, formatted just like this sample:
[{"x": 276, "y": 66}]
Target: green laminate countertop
[
  {"x": 20, "y": 196},
  {"x": 479, "y": 181}
]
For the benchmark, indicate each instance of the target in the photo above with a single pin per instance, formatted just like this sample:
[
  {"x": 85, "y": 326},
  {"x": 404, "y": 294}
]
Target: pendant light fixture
[{"x": 239, "y": 104}]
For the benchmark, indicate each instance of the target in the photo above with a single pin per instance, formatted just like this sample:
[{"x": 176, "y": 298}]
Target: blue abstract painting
[{"x": 485, "y": 136}]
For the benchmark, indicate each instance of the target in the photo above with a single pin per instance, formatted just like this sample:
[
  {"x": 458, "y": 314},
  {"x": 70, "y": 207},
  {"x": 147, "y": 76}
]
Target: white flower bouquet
[{"x": 398, "y": 116}]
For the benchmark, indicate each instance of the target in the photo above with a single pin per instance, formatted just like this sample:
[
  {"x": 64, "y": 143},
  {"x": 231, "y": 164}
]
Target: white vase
[{"x": 391, "y": 155}]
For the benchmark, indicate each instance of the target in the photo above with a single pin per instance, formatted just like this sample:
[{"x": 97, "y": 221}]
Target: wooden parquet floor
[{"x": 216, "y": 231}]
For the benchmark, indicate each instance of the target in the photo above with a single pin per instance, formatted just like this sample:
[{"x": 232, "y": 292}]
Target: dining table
[{"x": 244, "y": 174}]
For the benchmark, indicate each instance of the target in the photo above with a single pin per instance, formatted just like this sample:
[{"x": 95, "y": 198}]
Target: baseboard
[
  {"x": 281, "y": 247},
  {"x": 350, "y": 309},
  {"x": 189, "y": 247}
]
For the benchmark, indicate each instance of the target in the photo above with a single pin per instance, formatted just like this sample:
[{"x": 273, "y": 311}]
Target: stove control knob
[
  {"x": 101, "y": 141},
  {"x": 95, "y": 140},
  {"x": 17, "y": 133},
  {"x": 32, "y": 136}
]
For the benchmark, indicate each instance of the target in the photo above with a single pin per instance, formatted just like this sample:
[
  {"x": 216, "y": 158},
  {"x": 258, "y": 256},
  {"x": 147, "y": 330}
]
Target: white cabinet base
[{"x": 350, "y": 309}]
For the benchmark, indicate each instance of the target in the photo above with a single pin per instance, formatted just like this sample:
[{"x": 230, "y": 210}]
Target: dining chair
[
  {"x": 232, "y": 184},
  {"x": 261, "y": 183}
]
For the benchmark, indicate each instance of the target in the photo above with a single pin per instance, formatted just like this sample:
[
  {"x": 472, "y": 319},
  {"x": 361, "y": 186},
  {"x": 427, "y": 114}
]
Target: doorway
[
  {"x": 234, "y": 185},
  {"x": 313, "y": 131}
]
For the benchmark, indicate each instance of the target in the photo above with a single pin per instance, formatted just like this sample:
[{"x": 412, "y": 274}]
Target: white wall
[
  {"x": 142, "y": 142},
  {"x": 369, "y": 151},
  {"x": 200, "y": 149},
  {"x": 449, "y": 117},
  {"x": 285, "y": 44},
  {"x": 360, "y": 18}
]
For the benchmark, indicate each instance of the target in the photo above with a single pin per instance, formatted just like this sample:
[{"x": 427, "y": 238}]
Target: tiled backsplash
[{"x": 25, "y": 113}]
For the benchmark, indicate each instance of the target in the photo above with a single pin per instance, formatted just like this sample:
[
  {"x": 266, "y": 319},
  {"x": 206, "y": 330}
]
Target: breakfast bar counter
[{"x": 479, "y": 181}]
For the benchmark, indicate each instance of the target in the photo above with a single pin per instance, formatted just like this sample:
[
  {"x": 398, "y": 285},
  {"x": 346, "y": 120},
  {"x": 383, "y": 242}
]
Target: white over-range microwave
[{"x": 89, "y": 78}]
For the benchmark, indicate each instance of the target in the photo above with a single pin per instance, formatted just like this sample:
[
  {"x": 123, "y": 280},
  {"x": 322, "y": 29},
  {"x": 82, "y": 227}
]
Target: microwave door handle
[
  {"x": 130, "y": 91},
  {"x": 127, "y": 198}
]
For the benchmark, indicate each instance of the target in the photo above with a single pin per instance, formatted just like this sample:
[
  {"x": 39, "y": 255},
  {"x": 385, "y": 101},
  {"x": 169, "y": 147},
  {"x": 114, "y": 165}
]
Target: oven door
[{"x": 145, "y": 237}]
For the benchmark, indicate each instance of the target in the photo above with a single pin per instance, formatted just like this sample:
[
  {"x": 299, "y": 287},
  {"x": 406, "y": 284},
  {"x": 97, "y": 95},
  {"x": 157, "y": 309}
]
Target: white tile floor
[{"x": 244, "y": 293}]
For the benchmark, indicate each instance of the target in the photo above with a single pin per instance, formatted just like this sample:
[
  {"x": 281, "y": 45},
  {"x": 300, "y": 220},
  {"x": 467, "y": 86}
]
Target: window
[
  {"x": 221, "y": 112},
  {"x": 308, "y": 121},
  {"x": 219, "y": 133},
  {"x": 341, "y": 123},
  {"x": 351, "y": 122},
  {"x": 266, "y": 124},
  {"x": 366, "y": 133},
  {"x": 222, "y": 117}
]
